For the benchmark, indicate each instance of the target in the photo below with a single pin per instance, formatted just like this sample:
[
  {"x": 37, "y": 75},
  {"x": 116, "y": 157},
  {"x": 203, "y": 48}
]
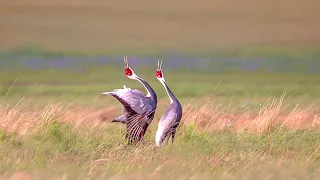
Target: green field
[
  {"x": 254, "y": 125},
  {"x": 237, "y": 123}
]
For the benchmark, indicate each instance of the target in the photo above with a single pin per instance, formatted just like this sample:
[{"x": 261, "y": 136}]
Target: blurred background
[{"x": 245, "y": 47}]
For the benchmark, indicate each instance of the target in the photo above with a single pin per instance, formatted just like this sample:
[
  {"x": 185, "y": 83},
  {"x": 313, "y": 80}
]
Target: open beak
[
  {"x": 159, "y": 65},
  {"x": 126, "y": 64}
]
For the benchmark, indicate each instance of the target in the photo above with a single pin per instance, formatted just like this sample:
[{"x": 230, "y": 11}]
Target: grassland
[
  {"x": 238, "y": 123},
  {"x": 247, "y": 126}
]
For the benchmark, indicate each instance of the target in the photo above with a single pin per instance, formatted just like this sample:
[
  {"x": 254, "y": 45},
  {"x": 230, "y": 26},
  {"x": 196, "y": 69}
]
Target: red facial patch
[
  {"x": 128, "y": 71},
  {"x": 159, "y": 74}
]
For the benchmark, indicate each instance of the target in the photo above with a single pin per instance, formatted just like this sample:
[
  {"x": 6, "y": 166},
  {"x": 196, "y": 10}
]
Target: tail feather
[
  {"x": 107, "y": 93},
  {"x": 121, "y": 119}
]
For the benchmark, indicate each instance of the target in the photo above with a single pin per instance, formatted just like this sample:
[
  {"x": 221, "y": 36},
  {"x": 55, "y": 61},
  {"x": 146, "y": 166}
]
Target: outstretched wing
[
  {"x": 133, "y": 120},
  {"x": 134, "y": 98},
  {"x": 137, "y": 108},
  {"x": 136, "y": 91}
]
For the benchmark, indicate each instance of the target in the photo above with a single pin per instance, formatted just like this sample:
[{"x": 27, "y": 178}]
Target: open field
[
  {"x": 248, "y": 125},
  {"x": 246, "y": 73}
]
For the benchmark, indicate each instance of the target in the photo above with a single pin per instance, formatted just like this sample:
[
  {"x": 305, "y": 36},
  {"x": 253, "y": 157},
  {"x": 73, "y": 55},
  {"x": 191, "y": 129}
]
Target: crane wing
[
  {"x": 134, "y": 121},
  {"x": 134, "y": 98},
  {"x": 137, "y": 109},
  {"x": 135, "y": 125},
  {"x": 136, "y": 91}
]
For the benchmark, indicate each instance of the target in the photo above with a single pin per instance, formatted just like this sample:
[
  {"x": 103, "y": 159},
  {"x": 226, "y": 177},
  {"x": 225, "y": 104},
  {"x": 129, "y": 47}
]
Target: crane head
[
  {"x": 127, "y": 70},
  {"x": 159, "y": 74}
]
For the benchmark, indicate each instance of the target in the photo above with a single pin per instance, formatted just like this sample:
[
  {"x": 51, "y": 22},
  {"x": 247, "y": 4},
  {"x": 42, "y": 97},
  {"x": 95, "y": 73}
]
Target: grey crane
[
  {"x": 139, "y": 109},
  {"x": 170, "y": 120}
]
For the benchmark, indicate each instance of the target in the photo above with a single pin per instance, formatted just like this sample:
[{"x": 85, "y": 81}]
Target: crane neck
[
  {"x": 169, "y": 92},
  {"x": 149, "y": 89}
]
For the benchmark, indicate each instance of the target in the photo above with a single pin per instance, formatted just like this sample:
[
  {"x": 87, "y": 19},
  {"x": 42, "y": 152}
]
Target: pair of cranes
[{"x": 139, "y": 109}]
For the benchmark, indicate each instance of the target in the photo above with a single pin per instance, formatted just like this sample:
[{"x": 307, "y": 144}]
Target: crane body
[
  {"x": 170, "y": 120},
  {"x": 138, "y": 108}
]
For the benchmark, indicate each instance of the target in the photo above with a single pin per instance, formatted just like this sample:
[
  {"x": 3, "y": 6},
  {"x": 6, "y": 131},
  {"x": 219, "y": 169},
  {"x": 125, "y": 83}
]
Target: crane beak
[
  {"x": 105, "y": 93},
  {"x": 159, "y": 65},
  {"x": 126, "y": 64}
]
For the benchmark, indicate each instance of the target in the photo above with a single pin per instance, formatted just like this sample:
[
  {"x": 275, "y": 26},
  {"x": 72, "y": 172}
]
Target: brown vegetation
[
  {"x": 272, "y": 113},
  {"x": 22, "y": 117}
]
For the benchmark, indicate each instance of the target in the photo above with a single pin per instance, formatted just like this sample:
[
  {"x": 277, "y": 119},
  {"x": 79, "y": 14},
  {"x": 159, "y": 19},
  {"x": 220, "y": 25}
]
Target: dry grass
[
  {"x": 97, "y": 150},
  {"x": 23, "y": 117},
  {"x": 272, "y": 113}
]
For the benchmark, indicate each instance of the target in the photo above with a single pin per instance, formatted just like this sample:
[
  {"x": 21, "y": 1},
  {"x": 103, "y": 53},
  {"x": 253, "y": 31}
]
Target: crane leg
[{"x": 173, "y": 134}]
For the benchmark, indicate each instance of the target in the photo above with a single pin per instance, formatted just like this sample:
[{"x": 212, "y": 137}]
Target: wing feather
[
  {"x": 137, "y": 110},
  {"x": 134, "y": 98},
  {"x": 135, "y": 126}
]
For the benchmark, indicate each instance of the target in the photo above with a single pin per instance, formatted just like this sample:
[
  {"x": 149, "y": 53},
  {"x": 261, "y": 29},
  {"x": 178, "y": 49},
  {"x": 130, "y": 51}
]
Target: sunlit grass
[
  {"x": 55, "y": 125},
  {"x": 67, "y": 140}
]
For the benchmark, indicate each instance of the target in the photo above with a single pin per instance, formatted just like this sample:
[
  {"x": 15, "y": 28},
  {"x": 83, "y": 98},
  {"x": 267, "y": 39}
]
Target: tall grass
[
  {"x": 66, "y": 141},
  {"x": 273, "y": 113}
]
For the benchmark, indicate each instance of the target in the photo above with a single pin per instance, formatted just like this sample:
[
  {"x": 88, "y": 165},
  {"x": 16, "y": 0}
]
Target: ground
[
  {"x": 250, "y": 131},
  {"x": 250, "y": 102}
]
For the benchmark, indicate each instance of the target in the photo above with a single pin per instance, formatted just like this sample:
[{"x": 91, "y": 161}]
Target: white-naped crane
[
  {"x": 170, "y": 120},
  {"x": 139, "y": 109}
]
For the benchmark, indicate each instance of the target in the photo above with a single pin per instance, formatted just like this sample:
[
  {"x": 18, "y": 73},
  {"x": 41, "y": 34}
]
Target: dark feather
[{"x": 135, "y": 123}]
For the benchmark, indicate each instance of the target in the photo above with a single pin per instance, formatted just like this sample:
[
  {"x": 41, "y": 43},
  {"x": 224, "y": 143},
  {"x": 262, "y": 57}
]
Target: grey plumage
[
  {"x": 122, "y": 118},
  {"x": 170, "y": 120},
  {"x": 139, "y": 109}
]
